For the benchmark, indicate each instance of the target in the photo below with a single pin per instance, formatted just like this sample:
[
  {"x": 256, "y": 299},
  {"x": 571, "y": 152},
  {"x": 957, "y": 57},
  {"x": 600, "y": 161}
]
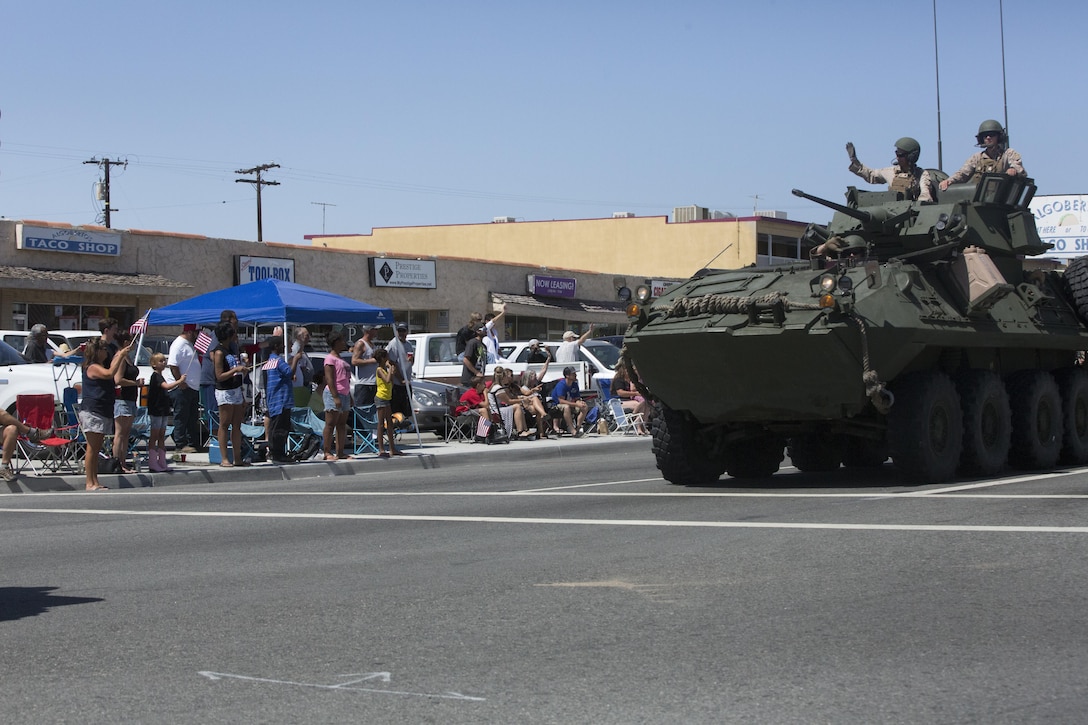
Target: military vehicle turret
[{"x": 914, "y": 332}]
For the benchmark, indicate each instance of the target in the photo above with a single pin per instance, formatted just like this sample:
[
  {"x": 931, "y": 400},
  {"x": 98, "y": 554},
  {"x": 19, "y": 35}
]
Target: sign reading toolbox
[
  {"x": 389, "y": 272},
  {"x": 254, "y": 269},
  {"x": 68, "y": 241}
]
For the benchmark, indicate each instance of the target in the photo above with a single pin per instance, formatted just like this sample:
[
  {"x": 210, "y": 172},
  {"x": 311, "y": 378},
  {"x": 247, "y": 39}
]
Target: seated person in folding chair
[
  {"x": 12, "y": 430},
  {"x": 96, "y": 409},
  {"x": 531, "y": 398},
  {"x": 568, "y": 398},
  {"x": 279, "y": 376},
  {"x": 473, "y": 398},
  {"x": 630, "y": 399},
  {"x": 509, "y": 394}
]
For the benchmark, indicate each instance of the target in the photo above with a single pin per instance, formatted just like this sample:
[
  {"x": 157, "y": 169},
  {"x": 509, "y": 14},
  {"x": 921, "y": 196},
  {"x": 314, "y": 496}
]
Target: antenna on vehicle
[
  {"x": 1004, "y": 88},
  {"x": 937, "y": 68}
]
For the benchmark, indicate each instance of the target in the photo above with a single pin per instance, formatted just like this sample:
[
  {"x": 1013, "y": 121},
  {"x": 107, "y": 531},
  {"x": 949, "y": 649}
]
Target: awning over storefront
[
  {"x": 48, "y": 279},
  {"x": 577, "y": 310}
]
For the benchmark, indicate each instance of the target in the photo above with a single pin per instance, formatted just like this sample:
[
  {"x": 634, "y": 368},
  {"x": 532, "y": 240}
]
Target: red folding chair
[{"x": 55, "y": 451}]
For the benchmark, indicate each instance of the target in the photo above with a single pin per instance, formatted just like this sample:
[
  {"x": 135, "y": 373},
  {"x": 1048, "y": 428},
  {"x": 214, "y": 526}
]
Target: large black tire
[
  {"x": 1073, "y": 387},
  {"x": 679, "y": 456},
  {"x": 925, "y": 427},
  {"x": 987, "y": 422},
  {"x": 1036, "y": 420},
  {"x": 815, "y": 452},
  {"x": 864, "y": 452},
  {"x": 1075, "y": 280},
  {"x": 758, "y": 457}
]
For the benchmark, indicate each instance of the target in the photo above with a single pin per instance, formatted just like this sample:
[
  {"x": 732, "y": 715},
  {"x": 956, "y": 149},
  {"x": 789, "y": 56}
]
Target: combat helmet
[
  {"x": 910, "y": 147},
  {"x": 990, "y": 126}
]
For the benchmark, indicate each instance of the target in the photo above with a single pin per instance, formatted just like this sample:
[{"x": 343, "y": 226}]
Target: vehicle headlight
[
  {"x": 643, "y": 293},
  {"x": 425, "y": 398},
  {"x": 827, "y": 283}
]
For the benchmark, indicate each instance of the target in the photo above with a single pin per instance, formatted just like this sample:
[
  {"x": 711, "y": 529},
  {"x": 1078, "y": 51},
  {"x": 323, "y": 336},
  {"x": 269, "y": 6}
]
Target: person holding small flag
[
  {"x": 279, "y": 375},
  {"x": 183, "y": 360}
]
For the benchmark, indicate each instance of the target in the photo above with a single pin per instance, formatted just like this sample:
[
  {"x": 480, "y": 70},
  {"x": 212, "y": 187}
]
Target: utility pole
[
  {"x": 258, "y": 182},
  {"x": 105, "y": 165},
  {"x": 322, "y": 204}
]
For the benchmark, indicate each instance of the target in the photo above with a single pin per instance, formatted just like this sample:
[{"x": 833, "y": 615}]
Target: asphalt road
[{"x": 586, "y": 590}]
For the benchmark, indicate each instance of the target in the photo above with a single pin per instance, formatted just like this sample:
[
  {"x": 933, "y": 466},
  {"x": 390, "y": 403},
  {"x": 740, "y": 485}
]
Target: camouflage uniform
[
  {"x": 915, "y": 184},
  {"x": 981, "y": 163}
]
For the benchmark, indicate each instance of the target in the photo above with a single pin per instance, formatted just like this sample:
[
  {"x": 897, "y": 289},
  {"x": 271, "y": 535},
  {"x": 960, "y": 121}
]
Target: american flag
[
  {"x": 203, "y": 342},
  {"x": 139, "y": 327},
  {"x": 271, "y": 364}
]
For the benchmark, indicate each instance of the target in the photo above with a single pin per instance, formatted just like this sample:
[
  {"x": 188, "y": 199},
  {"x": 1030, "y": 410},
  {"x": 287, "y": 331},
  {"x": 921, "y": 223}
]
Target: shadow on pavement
[{"x": 19, "y": 602}]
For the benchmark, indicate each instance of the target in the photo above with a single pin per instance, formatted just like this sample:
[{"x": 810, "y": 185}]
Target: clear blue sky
[{"x": 420, "y": 113}]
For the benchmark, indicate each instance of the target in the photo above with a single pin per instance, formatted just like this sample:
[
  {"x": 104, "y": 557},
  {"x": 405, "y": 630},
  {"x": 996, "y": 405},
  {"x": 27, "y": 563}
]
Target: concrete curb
[{"x": 436, "y": 455}]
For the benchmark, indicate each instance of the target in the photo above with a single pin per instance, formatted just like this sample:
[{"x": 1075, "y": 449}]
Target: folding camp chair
[
  {"x": 461, "y": 427},
  {"x": 56, "y": 451},
  {"x": 364, "y": 429},
  {"x": 624, "y": 422},
  {"x": 251, "y": 435},
  {"x": 305, "y": 438}
]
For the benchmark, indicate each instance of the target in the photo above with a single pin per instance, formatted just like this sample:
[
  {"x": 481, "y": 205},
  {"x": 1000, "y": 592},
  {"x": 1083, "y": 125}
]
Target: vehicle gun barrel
[{"x": 863, "y": 216}]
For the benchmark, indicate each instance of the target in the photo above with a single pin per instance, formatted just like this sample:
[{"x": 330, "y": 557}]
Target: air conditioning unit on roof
[
  {"x": 623, "y": 215},
  {"x": 503, "y": 220}
]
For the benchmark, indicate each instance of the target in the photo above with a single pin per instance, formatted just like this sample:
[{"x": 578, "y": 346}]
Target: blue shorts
[
  {"x": 124, "y": 409},
  {"x": 331, "y": 402}
]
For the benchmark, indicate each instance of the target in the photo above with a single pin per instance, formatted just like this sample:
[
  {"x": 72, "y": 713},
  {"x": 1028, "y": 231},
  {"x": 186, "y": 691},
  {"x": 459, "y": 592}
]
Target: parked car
[
  {"x": 18, "y": 377},
  {"x": 430, "y": 399}
]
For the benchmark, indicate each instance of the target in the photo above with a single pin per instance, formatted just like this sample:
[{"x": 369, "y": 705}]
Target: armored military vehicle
[{"x": 914, "y": 332}]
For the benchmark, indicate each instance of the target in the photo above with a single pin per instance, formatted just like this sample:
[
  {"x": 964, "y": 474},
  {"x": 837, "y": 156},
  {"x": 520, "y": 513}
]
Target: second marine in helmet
[
  {"x": 994, "y": 158},
  {"x": 904, "y": 175}
]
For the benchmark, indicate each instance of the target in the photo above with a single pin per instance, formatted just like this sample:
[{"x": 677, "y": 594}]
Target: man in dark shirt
[
  {"x": 537, "y": 354},
  {"x": 474, "y": 361}
]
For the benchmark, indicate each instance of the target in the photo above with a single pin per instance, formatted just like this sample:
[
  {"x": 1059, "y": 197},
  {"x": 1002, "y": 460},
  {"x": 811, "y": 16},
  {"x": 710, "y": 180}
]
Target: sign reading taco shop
[
  {"x": 68, "y": 241},
  {"x": 414, "y": 273}
]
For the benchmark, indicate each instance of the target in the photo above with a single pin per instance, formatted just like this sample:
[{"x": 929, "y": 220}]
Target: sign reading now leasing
[
  {"x": 544, "y": 286},
  {"x": 415, "y": 273},
  {"x": 68, "y": 241}
]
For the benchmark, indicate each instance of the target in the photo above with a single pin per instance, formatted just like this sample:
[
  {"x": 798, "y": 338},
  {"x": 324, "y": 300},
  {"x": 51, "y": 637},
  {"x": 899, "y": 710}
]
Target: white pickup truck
[
  {"x": 18, "y": 377},
  {"x": 435, "y": 358}
]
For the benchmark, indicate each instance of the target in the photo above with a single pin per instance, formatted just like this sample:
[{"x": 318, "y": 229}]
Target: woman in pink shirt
[{"x": 336, "y": 396}]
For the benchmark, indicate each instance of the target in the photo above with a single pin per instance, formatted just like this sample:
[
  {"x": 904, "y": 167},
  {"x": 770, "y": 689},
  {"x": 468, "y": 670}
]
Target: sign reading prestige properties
[
  {"x": 417, "y": 273},
  {"x": 254, "y": 269},
  {"x": 68, "y": 241},
  {"x": 1062, "y": 221}
]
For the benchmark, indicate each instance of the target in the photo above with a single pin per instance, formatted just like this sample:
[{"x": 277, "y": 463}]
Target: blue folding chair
[{"x": 364, "y": 429}]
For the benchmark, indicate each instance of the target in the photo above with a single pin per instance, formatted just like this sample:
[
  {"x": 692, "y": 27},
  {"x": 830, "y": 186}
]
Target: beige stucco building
[
  {"x": 630, "y": 246},
  {"x": 549, "y": 276}
]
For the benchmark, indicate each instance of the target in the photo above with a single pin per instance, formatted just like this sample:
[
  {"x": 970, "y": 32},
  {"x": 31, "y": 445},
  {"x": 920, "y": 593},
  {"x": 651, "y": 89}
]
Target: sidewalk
[{"x": 434, "y": 453}]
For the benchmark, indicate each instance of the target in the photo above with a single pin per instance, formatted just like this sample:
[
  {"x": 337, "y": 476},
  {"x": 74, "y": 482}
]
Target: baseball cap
[
  {"x": 569, "y": 335},
  {"x": 402, "y": 326},
  {"x": 190, "y": 327},
  {"x": 534, "y": 341}
]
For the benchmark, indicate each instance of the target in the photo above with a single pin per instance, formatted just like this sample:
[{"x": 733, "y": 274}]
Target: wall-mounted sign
[
  {"x": 254, "y": 269},
  {"x": 412, "y": 273},
  {"x": 1062, "y": 221},
  {"x": 659, "y": 286},
  {"x": 68, "y": 241},
  {"x": 539, "y": 284}
]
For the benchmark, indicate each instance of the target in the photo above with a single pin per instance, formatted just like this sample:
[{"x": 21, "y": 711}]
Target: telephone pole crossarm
[{"x": 258, "y": 182}]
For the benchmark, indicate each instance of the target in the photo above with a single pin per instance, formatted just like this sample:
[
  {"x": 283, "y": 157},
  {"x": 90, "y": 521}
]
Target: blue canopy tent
[{"x": 271, "y": 301}]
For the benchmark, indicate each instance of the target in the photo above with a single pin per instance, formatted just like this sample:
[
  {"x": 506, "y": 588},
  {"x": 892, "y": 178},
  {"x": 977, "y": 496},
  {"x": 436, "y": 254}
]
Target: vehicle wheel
[
  {"x": 1073, "y": 387},
  {"x": 864, "y": 452},
  {"x": 758, "y": 457},
  {"x": 1075, "y": 280},
  {"x": 815, "y": 452},
  {"x": 1036, "y": 420},
  {"x": 987, "y": 422},
  {"x": 679, "y": 456},
  {"x": 925, "y": 427}
]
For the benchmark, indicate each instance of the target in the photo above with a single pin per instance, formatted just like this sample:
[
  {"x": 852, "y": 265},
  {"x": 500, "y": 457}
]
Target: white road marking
[
  {"x": 383, "y": 676},
  {"x": 570, "y": 522}
]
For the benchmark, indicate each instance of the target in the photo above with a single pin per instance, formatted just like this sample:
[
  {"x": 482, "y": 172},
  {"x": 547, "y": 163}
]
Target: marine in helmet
[
  {"x": 903, "y": 176},
  {"x": 994, "y": 158}
]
